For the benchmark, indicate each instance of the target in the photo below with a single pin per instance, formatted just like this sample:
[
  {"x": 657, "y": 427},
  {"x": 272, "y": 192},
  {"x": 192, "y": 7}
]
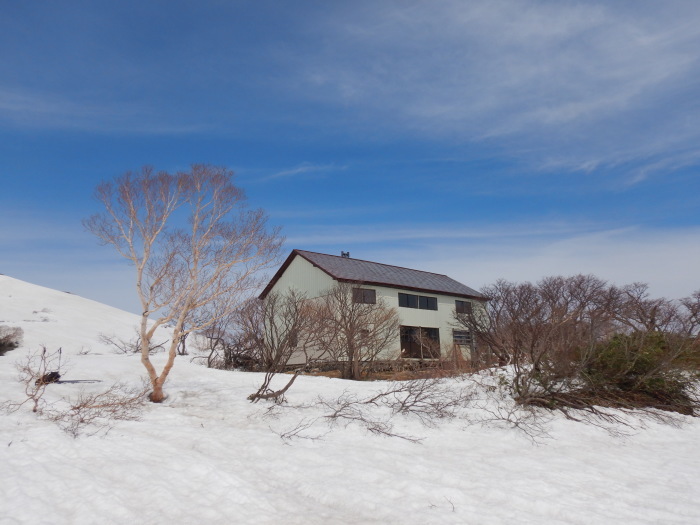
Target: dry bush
[
  {"x": 96, "y": 412},
  {"x": 10, "y": 338},
  {"x": 93, "y": 411},
  {"x": 428, "y": 400},
  {"x": 273, "y": 330},
  {"x": 580, "y": 346},
  {"x": 129, "y": 346},
  {"x": 33, "y": 370}
]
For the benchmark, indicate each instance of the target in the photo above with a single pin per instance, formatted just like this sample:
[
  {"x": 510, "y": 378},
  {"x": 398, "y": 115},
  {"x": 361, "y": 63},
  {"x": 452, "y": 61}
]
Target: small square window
[
  {"x": 408, "y": 300},
  {"x": 463, "y": 307},
  {"x": 364, "y": 296}
]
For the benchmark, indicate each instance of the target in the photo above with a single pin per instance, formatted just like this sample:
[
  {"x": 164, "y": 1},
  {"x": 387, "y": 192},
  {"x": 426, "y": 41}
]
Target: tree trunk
[
  {"x": 356, "y": 366},
  {"x": 157, "y": 395}
]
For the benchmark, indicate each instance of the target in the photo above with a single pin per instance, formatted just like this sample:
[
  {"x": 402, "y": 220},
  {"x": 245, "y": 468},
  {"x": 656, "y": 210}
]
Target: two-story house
[{"x": 426, "y": 302}]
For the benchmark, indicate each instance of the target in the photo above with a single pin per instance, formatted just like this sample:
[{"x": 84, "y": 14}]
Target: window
[
  {"x": 408, "y": 301},
  {"x": 462, "y": 337},
  {"x": 423, "y": 302},
  {"x": 364, "y": 296},
  {"x": 463, "y": 307},
  {"x": 420, "y": 343},
  {"x": 427, "y": 303}
]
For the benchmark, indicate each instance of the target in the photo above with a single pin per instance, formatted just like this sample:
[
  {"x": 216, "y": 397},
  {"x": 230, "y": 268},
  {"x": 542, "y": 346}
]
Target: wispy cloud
[
  {"x": 401, "y": 234},
  {"x": 665, "y": 258},
  {"x": 303, "y": 169},
  {"x": 588, "y": 83},
  {"x": 28, "y": 109}
]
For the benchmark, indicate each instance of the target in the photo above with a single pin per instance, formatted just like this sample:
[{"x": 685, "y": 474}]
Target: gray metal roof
[{"x": 357, "y": 270}]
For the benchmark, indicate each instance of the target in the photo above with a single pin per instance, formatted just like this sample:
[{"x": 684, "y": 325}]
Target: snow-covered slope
[
  {"x": 207, "y": 455},
  {"x": 60, "y": 319}
]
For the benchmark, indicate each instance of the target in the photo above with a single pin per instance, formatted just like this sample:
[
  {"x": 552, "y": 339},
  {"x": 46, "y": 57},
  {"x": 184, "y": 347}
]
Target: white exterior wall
[{"x": 307, "y": 278}]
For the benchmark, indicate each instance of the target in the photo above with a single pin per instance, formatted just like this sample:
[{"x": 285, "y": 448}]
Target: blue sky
[{"x": 513, "y": 139}]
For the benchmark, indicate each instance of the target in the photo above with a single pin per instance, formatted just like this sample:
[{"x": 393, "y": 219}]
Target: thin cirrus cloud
[
  {"x": 34, "y": 110},
  {"x": 666, "y": 259},
  {"x": 563, "y": 85},
  {"x": 304, "y": 168},
  {"x": 400, "y": 234},
  {"x": 590, "y": 83}
]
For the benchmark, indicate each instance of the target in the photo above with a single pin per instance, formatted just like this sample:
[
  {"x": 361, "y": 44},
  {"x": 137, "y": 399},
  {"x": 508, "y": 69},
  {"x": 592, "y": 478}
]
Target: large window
[
  {"x": 364, "y": 296},
  {"x": 420, "y": 343},
  {"x": 423, "y": 302},
  {"x": 463, "y": 307}
]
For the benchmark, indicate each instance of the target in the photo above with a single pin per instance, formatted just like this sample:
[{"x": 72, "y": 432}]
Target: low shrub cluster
[
  {"x": 10, "y": 338},
  {"x": 641, "y": 369},
  {"x": 579, "y": 343}
]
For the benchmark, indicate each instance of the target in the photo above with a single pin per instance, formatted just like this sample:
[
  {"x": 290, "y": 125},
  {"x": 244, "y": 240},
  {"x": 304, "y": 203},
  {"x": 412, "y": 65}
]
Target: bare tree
[
  {"x": 353, "y": 330},
  {"x": 279, "y": 328},
  {"x": 183, "y": 265},
  {"x": 691, "y": 315},
  {"x": 220, "y": 341}
]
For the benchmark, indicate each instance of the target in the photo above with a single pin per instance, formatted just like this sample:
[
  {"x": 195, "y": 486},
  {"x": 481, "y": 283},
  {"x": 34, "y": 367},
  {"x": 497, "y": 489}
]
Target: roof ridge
[{"x": 375, "y": 262}]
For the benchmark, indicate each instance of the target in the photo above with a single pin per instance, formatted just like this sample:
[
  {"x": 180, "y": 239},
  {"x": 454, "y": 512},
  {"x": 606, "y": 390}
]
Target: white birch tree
[{"x": 192, "y": 241}]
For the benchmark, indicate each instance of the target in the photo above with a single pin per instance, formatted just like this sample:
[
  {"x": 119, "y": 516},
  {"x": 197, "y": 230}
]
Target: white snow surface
[{"x": 208, "y": 456}]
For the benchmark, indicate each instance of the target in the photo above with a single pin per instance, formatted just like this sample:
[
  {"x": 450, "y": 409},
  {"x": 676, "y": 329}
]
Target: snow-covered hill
[
  {"x": 59, "y": 318},
  {"x": 207, "y": 455}
]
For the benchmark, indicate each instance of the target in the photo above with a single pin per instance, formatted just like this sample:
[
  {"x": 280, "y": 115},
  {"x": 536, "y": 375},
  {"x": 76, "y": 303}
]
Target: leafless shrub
[
  {"x": 33, "y": 370},
  {"x": 583, "y": 347},
  {"x": 300, "y": 431},
  {"x": 348, "y": 409},
  {"x": 429, "y": 400},
  {"x": 130, "y": 346},
  {"x": 265, "y": 392},
  {"x": 10, "y": 338},
  {"x": 96, "y": 412},
  {"x": 494, "y": 406},
  {"x": 221, "y": 345},
  {"x": 277, "y": 328}
]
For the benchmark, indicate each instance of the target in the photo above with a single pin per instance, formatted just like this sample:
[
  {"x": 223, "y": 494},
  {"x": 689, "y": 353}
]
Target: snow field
[{"x": 207, "y": 455}]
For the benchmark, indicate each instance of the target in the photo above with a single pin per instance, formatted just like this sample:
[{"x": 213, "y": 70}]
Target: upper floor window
[
  {"x": 364, "y": 296},
  {"x": 423, "y": 302},
  {"x": 463, "y": 307}
]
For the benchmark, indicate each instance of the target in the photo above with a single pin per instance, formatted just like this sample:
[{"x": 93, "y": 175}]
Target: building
[{"x": 426, "y": 302}]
